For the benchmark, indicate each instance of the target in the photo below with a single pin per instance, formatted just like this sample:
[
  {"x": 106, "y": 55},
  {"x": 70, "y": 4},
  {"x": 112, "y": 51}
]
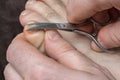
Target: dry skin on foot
[{"x": 81, "y": 43}]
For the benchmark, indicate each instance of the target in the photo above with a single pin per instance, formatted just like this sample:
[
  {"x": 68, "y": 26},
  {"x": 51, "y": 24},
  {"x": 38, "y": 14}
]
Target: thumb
[
  {"x": 79, "y": 10},
  {"x": 109, "y": 36}
]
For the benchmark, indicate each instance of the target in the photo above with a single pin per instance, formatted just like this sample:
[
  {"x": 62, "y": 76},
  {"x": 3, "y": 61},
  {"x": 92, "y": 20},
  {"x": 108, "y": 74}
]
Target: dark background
[{"x": 9, "y": 27}]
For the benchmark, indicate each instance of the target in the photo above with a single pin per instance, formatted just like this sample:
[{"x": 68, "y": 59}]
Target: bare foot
[{"x": 54, "y": 11}]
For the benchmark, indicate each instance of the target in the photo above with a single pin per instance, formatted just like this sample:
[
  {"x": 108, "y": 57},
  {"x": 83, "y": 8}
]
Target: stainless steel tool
[{"x": 66, "y": 27}]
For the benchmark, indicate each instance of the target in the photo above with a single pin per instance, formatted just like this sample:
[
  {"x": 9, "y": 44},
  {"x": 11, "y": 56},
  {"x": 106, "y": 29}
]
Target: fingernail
[
  {"x": 25, "y": 12},
  {"x": 52, "y": 35},
  {"x": 95, "y": 47}
]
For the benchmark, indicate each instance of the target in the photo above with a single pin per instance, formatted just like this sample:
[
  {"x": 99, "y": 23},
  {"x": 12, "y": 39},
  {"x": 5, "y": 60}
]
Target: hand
[
  {"x": 37, "y": 13},
  {"x": 83, "y": 9}
]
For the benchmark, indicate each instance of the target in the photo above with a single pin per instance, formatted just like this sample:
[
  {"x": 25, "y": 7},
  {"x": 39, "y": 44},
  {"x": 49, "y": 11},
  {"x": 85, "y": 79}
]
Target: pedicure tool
[{"x": 66, "y": 27}]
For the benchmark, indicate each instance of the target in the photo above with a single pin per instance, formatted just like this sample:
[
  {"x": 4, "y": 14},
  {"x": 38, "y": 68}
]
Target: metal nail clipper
[{"x": 68, "y": 27}]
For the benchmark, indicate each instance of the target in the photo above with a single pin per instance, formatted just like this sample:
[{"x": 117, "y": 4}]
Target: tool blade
[{"x": 60, "y": 26}]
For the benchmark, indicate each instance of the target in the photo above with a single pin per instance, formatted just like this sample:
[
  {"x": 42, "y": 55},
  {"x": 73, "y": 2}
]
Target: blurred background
[{"x": 9, "y": 27}]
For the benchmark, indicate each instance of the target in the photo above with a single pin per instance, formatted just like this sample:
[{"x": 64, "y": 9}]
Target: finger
[
  {"x": 26, "y": 57},
  {"x": 64, "y": 53},
  {"x": 11, "y": 74},
  {"x": 84, "y": 9},
  {"x": 44, "y": 11},
  {"x": 58, "y": 6},
  {"x": 29, "y": 16},
  {"x": 109, "y": 36}
]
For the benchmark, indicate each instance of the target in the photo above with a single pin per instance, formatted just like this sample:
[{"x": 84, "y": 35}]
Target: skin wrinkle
[
  {"x": 89, "y": 51},
  {"x": 111, "y": 33},
  {"x": 46, "y": 12},
  {"x": 115, "y": 38},
  {"x": 57, "y": 8}
]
